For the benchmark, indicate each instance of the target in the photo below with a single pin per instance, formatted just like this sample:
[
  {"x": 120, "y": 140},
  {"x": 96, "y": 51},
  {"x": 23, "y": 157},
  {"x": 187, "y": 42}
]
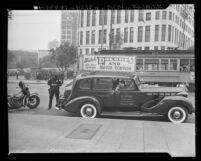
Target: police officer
[{"x": 54, "y": 84}]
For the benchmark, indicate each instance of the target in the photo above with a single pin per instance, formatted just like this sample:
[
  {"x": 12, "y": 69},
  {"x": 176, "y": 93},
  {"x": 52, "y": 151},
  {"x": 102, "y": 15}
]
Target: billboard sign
[{"x": 116, "y": 63}]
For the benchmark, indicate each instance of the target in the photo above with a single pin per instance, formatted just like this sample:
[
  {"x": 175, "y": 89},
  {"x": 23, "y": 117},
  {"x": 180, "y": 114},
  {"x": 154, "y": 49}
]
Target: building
[
  {"x": 140, "y": 29},
  {"x": 69, "y": 26}
]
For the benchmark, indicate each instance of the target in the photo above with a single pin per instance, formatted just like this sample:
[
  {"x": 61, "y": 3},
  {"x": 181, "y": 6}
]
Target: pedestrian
[{"x": 54, "y": 84}]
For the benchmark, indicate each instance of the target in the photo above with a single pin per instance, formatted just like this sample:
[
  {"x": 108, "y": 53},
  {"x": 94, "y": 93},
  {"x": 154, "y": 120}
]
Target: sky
[{"x": 33, "y": 29}]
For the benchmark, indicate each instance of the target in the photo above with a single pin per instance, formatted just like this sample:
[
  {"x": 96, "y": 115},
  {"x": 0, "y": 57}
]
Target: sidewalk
[{"x": 60, "y": 134}]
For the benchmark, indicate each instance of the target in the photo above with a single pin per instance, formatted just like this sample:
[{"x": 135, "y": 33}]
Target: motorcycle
[{"x": 31, "y": 100}]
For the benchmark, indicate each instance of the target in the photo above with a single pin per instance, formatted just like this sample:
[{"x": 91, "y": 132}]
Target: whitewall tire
[
  {"x": 177, "y": 114},
  {"x": 88, "y": 111}
]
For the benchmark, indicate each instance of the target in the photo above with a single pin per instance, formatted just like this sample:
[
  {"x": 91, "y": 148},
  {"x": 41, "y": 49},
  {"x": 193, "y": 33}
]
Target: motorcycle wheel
[{"x": 33, "y": 102}]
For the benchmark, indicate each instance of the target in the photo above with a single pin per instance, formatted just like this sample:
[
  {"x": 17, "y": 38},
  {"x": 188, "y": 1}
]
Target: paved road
[{"x": 42, "y": 89}]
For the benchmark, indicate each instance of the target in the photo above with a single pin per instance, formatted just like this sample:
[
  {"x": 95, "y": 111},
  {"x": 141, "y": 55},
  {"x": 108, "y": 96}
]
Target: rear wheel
[
  {"x": 33, "y": 101},
  {"x": 177, "y": 114},
  {"x": 88, "y": 110}
]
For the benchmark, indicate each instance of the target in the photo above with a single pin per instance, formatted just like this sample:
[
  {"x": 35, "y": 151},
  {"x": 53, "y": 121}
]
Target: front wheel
[
  {"x": 33, "y": 101},
  {"x": 88, "y": 110},
  {"x": 177, "y": 114}
]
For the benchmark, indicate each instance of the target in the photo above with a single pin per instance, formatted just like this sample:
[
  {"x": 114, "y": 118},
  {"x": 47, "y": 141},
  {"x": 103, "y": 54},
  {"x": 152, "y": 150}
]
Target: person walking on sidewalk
[{"x": 54, "y": 84}]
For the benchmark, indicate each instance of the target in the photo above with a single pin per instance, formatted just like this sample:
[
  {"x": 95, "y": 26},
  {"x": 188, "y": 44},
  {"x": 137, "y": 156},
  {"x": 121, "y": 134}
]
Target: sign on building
[{"x": 109, "y": 63}]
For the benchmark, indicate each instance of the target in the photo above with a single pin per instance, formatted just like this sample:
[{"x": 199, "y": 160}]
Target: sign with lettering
[{"x": 109, "y": 63}]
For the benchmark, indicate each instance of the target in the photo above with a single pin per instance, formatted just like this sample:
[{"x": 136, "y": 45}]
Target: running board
[{"x": 135, "y": 113}]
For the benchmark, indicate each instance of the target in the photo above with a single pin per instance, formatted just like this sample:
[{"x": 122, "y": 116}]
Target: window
[
  {"x": 156, "y": 33},
  {"x": 125, "y": 34},
  {"x": 87, "y": 37},
  {"x": 129, "y": 85},
  {"x": 173, "y": 64},
  {"x": 163, "y": 33},
  {"x": 131, "y": 34},
  {"x": 102, "y": 84},
  {"x": 63, "y": 37},
  {"x": 169, "y": 33},
  {"x": 162, "y": 47},
  {"x": 140, "y": 17},
  {"x": 93, "y": 37},
  {"x": 88, "y": 18},
  {"x": 157, "y": 16},
  {"x": 69, "y": 32},
  {"x": 84, "y": 84},
  {"x": 86, "y": 51},
  {"x": 118, "y": 16},
  {"x": 140, "y": 33},
  {"x": 112, "y": 36},
  {"x": 164, "y": 15},
  {"x": 147, "y": 33},
  {"x": 105, "y": 37},
  {"x": 139, "y": 64},
  {"x": 105, "y": 17},
  {"x": 151, "y": 64},
  {"x": 170, "y": 15},
  {"x": 100, "y": 37},
  {"x": 132, "y": 16},
  {"x": 155, "y": 47},
  {"x": 164, "y": 64},
  {"x": 146, "y": 48},
  {"x": 93, "y": 18},
  {"x": 113, "y": 16},
  {"x": 139, "y": 48},
  {"x": 81, "y": 37},
  {"x": 92, "y": 50},
  {"x": 82, "y": 18},
  {"x": 148, "y": 16},
  {"x": 80, "y": 51},
  {"x": 118, "y": 36},
  {"x": 100, "y": 17},
  {"x": 126, "y": 16}
]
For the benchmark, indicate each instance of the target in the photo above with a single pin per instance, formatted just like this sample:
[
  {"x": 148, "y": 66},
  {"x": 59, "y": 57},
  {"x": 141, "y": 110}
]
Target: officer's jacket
[{"x": 52, "y": 82}]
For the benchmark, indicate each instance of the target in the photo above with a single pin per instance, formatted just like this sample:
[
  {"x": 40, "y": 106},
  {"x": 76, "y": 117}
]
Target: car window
[
  {"x": 102, "y": 84},
  {"x": 129, "y": 85},
  {"x": 84, "y": 84}
]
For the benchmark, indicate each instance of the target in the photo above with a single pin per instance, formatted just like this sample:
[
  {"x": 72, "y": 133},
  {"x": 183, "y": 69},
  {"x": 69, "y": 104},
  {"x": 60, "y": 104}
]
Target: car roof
[{"x": 107, "y": 75}]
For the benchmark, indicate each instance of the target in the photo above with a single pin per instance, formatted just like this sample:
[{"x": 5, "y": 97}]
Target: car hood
[{"x": 162, "y": 89}]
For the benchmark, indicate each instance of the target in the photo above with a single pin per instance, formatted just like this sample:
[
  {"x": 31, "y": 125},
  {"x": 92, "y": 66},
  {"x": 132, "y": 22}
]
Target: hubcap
[
  {"x": 177, "y": 114},
  {"x": 89, "y": 111},
  {"x": 32, "y": 101}
]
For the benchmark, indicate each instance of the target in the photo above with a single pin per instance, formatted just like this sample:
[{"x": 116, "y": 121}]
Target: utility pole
[
  {"x": 110, "y": 38},
  {"x": 102, "y": 35}
]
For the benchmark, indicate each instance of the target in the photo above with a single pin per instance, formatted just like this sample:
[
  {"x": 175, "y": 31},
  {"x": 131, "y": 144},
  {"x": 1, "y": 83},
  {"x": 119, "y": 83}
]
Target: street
[{"x": 42, "y": 90}]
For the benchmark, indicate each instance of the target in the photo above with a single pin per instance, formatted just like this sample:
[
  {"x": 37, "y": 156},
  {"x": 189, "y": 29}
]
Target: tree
[
  {"x": 63, "y": 56},
  {"x": 53, "y": 44}
]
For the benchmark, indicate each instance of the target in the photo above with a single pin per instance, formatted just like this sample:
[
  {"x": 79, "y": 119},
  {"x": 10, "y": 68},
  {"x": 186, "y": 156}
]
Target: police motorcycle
[{"x": 23, "y": 98}]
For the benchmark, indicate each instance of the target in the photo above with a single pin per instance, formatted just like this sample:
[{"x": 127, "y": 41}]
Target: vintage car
[{"x": 94, "y": 95}]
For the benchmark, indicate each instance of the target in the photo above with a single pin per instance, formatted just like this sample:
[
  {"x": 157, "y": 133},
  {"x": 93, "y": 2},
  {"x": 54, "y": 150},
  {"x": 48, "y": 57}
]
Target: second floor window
[
  {"x": 132, "y": 16},
  {"x": 82, "y": 18},
  {"x": 105, "y": 37},
  {"x": 93, "y": 37},
  {"x": 147, "y": 33},
  {"x": 87, "y": 37},
  {"x": 157, "y": 16},
  {"x": 131, "y": 34},
  {"x": 81, "y": 37},
  {"x": 125, "y": 35},
  {"x": 113, "y": 16},
  {"x": 140, "y": 17},
  {"x": 105, "y": 17},
  {"x": 164, "y": 15},
  {"x": 156, "y": 33},
  {"x": 140, "y": 33},
  {"x": 163, "y": 33},
  {"x": 148, "y": 16}
]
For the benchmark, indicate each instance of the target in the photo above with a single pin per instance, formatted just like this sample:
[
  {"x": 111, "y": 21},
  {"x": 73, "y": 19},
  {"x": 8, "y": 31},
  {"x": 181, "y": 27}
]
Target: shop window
[
  {"x": 173, "y": 64},
  {"x": 151, "y": 64},
  {"x": 164, "y": 64}
]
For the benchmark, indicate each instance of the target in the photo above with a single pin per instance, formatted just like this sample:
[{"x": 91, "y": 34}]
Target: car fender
[
  {"x": 33, "y": 94},
  {"x": 163, "y": 106},
  {"x": 73, "y": 105}
]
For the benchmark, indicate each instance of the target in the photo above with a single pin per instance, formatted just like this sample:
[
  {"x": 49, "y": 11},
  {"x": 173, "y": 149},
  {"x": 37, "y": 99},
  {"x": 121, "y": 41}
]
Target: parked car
[{"x": 94, "y": 95}]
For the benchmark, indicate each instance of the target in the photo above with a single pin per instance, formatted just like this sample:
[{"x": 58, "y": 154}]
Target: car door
[
  {"x": 129, "y": 97},
  {"x": 102, "y": 90}
]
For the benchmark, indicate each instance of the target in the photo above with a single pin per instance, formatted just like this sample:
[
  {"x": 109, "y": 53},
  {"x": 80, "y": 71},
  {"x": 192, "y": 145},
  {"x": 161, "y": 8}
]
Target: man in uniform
[{"x": 54, "y": 84}]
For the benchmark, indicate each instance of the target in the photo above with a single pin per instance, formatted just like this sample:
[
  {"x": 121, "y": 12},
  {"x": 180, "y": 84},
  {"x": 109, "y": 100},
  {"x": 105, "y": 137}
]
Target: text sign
[{"x": 109, "y": 63}]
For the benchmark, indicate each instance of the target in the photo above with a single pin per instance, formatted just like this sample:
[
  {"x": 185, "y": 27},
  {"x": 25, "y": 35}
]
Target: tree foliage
[
  {"x": 53, "y": 44},
  {"x": 64, "y": 55}
]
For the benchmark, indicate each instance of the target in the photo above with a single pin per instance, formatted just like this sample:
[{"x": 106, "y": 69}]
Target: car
[{"x": 92, "y": 95}]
